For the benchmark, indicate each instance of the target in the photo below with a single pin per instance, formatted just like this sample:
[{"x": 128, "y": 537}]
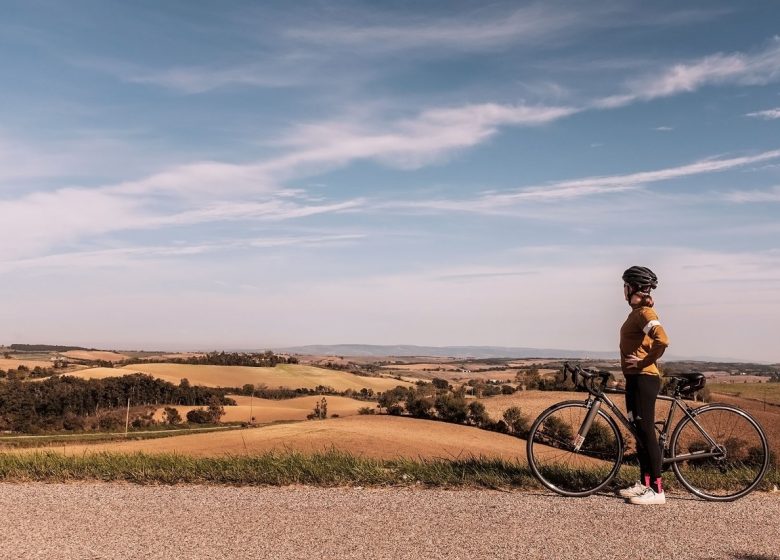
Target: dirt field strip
[
  {"x": 287, "y": 375},
  {"x": 88, "y": 521}
]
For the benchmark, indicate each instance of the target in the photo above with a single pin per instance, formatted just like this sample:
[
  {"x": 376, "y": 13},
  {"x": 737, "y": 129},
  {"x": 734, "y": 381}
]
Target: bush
[
  {"x": 366, "y": 410},
  {"x": 109, "y": 422},
  {"x": 73, "y": 421},
  {"x": 478, "y": 414},
  {"x": 507, "y": 390},
  {"x": 517, "y": 422},
  {"x": 419, "y": 406},
  {"x": 215, "y": 410},
  {"x": 198, "y": 416},
  {"x": 171, "y": 416},
  {"x": 451, "y": 408}
]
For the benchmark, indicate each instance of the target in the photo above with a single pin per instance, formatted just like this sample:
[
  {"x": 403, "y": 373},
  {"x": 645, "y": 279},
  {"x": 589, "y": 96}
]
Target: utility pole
[
  {"x": 251, "y": 399},
  {"x": 127, "y": 415}
]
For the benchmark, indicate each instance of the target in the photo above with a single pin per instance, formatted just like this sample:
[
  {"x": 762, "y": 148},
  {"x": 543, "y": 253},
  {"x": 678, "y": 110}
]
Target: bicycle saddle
[{"x": 688, "y": 383}]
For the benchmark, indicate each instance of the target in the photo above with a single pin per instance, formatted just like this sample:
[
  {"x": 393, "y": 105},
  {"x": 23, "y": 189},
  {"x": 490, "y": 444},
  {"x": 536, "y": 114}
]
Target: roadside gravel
[{"x": 114, "y": 520}]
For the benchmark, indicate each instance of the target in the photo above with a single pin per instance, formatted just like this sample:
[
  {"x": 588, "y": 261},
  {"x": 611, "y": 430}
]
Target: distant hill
[
  {"x": 479, "y": 352},
  {"x": 45, "y": 348}
]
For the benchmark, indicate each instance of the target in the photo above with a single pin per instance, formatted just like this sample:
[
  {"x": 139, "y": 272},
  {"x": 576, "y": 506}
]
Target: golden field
[
  {"x": 104, "y": 355},
  {"x": 291, "y": 376},
  {"x": 268, "y": 410},
  {"x": 384, "y": 437},
  {"x": 14, "y": 363}
]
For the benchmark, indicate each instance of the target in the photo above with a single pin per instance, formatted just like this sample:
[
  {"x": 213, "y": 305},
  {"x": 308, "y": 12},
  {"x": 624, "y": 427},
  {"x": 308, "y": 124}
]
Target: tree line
[
  {"x": 50, "y": 404},
  {"x": 248, "y": 359}
]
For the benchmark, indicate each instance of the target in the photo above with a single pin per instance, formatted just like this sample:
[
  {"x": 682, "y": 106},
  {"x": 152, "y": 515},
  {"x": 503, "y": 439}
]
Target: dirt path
[{"x": 94, "y": 520}]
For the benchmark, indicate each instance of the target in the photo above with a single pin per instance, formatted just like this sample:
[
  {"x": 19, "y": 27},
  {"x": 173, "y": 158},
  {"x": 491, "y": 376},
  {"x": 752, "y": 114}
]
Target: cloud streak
[
  {"x": 587, "y": 186},
  {"x": 757, "y": 68},
  {"x": 767, "y": 115}
]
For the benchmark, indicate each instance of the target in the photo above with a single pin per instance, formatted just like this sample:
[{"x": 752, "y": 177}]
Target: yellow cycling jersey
[{"x": 642, "y": 336}]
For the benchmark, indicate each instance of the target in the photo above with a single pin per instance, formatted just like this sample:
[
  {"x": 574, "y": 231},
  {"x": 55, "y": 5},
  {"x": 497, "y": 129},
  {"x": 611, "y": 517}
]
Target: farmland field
[
  {"x": 284, "y": 375},
  {"x": 14, "y": 363},
  {"x": 95, "y": 355},
  {"x": 758, "y": 391},
  {"x": 385, "y": 437},
  {"x": 269, "y": 410}
]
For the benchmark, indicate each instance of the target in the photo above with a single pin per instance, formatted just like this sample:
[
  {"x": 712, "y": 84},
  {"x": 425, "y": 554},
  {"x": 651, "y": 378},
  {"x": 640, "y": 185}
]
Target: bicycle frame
[{"x": 595, "y": 400}]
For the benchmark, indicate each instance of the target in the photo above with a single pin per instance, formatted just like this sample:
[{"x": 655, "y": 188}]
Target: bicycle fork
[{"x": 593, "y": 409}]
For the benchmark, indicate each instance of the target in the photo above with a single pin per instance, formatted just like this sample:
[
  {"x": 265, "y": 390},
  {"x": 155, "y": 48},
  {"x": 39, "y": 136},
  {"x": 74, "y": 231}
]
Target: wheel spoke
[
  {"x": 558, "y": 466},
  {"x": 734, "y": 474}
]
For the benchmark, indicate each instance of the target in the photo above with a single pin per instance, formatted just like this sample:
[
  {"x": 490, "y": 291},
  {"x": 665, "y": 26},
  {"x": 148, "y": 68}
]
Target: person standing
[{"x": 642, "y": 342}]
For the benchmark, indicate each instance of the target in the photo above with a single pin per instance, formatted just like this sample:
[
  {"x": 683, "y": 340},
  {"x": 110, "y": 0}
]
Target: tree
[
  {"x": 516, "y": 421},
  {"x": 418, "y": 405},
  {"x": 320, "y": 410},
  {"x": 171, "y": 416},
  {"x": 440, "y": 384},
  {"x": 451, "y": 407},
  {"x": 215, "y": 410},
  {"x": 478, "y": 414}
]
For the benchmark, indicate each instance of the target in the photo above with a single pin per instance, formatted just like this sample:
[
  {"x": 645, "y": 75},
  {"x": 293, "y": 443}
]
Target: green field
[{"x": 769, "y": 392}]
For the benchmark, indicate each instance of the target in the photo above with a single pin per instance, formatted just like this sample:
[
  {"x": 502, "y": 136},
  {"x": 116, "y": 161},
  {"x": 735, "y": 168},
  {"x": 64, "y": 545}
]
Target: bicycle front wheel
[
  {"x": 559, "y": 465},
  {"x": 737, "y": 448}
]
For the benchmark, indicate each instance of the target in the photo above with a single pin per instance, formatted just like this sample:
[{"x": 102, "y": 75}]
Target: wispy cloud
[
  {"x": 663, "y": 128},
  {"x": 757, "y": 68},
  {"x": 477, "y": 30},
  {"x": 768, "y": 114},
  {"x": 588, "y": 186},
  {"x": 132, "y": 255},
  {"x": 212, "y": 191},
  {"x": 762, "y": 195}
]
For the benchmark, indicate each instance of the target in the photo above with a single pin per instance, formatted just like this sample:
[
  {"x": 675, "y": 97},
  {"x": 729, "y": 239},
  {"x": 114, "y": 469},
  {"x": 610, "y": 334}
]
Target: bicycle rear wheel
[
  {"x": 741, "y": 448},
  {"x": 554, "y": 459}
]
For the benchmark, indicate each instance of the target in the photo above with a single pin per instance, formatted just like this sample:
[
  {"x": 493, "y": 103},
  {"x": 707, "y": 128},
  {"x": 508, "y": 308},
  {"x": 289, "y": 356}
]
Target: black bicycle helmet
[{"x": 640, "y": 278}]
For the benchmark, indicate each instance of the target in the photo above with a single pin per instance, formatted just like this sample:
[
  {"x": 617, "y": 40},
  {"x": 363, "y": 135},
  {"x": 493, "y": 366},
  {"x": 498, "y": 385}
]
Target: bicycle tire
[
  {"x": 597, "y": 462},
  {"x": 744, "y": 463}
]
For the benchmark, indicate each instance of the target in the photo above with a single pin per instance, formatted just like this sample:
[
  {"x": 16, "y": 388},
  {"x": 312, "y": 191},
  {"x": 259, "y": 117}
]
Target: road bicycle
[{"x": 717, "y": 451}]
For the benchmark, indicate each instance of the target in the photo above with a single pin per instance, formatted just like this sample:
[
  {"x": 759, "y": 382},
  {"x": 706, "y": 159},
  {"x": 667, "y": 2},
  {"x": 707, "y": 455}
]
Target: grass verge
[{"x": 330, "y": 468}]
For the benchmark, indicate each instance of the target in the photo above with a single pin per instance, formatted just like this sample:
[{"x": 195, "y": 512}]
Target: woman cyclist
[{"x": 642, "y": 342}]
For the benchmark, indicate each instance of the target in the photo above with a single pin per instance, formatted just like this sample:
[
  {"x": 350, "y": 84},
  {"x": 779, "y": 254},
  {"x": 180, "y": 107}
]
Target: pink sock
[
  {"x": 658, "y": 486},
  {"x": 647, "y": 480}
]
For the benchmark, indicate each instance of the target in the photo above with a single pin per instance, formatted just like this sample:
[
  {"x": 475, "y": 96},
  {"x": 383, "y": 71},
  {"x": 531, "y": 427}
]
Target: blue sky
[{"x": 221, "y": 175}]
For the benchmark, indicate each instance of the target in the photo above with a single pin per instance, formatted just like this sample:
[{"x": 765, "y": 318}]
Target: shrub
[
  {"x": 451, "y": 407},
  {"x": 215, "y": 410},
  {"x": 477, "y": 414},
  {"x": 517, "y": 422},
  {"x": 109, "y": 422},
  {"x": 73, "y": 421},
  {"x": 366, "y": 410},
  {"x": 198, "y": 416},
  {"x": 507, "y": 390},
  {"x": 171, "y": 416},
  {"x": 419, "y": 406}
]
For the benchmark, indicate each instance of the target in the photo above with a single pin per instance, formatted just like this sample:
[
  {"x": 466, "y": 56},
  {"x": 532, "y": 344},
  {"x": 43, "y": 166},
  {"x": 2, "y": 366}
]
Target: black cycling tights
[{"x": 641, "y": 393}]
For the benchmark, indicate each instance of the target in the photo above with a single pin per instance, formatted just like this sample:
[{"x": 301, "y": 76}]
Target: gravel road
[{"x": 102, "y": 520}]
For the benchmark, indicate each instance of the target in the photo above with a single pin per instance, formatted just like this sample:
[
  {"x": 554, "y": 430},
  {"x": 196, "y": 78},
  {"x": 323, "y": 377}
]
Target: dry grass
[
  {"x": 14, "y": 363},
  {"x": 267, "y": 410},
  {"x": 95, "y": 355},
  {"x": 288, "y": 375},
  {"x": 382, "y": 437}
]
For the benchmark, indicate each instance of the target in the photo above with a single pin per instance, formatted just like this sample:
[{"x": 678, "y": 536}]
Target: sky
[{"x": 202, "y": 175}]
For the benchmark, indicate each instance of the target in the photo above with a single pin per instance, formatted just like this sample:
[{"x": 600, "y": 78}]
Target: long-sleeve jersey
[{"x": 642, "y": 336}]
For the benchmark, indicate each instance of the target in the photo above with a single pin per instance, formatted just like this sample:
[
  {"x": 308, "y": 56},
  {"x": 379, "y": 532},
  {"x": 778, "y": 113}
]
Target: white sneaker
[
  {"x": 649, "y": 497},
  {"x": 637, "y": 489}
]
